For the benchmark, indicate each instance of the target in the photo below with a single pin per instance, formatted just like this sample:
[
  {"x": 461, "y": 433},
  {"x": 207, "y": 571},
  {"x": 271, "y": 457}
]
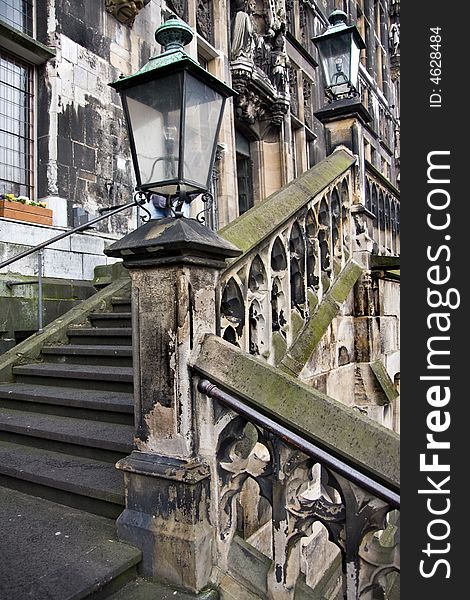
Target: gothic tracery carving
[
  {"x": 204, "y": 19},
  {"x": 259, "y": 61}
]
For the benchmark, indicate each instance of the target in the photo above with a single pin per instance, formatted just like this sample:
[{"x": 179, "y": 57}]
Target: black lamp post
[
  {"x": 339, "y": 48},
  {"x": 173, "y": 110}
]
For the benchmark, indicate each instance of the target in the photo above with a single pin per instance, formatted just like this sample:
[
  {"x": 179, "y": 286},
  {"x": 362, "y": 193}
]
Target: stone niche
[{"x": 258, "y": 60}]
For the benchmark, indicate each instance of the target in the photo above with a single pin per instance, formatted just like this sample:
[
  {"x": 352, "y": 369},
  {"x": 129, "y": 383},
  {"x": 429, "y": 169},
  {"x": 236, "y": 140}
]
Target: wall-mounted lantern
[
  {"x": 173, "y": 110},
  {"x": 339, "y": 48}
]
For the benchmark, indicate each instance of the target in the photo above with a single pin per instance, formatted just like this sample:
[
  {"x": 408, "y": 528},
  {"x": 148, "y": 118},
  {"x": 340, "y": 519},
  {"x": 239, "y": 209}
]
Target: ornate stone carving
[
  {"x": 259, "y": 60},
  {"x": 125, "y": 11},
  {"x": 242, "y": 45},
  {"x": 204, "y": 19},
  {"x": 290, "y": 16},
  {"x": 308, "y": 107},
  {"x": 179, "y": 7},
  {"x": 394, "y": 39},
  {"x": 249, "y": 107},
  {"x": 395, "y": 9},
  {"x": 243, "y": 453},
  {"x": 294, "y": 92}
]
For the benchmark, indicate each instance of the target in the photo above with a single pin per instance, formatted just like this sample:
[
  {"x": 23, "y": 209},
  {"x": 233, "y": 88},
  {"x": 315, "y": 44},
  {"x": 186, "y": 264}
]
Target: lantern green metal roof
[
  {"x": 173, "y": 35},
  {"x": 338, "y": 26}
]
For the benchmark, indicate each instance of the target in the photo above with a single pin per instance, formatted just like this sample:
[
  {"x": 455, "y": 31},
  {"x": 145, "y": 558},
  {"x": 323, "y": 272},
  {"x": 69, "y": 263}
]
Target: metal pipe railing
[
  {"x": 324, "y": 457},
  {"x": 65, "y": 234},
  {"x": 40, "y": 249}
]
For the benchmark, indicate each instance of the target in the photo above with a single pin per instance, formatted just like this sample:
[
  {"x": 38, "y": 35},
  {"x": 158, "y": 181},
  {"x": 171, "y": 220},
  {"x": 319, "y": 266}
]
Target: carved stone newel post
[{"x": 174, "y": 265}]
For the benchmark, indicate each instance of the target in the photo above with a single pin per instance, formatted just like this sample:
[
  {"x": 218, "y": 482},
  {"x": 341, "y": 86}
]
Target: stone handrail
[
  {"x": 288, "y": 502},
  {"x": 294, "y": 244}
]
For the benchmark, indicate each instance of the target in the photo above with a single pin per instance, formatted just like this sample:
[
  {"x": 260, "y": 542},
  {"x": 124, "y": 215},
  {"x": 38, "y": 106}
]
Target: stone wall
[
  {"x": 82, "y": 142},
  {"x": 74, "y": 257}
]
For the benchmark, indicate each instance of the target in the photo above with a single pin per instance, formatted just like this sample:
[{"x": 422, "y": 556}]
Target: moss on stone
[
  {"x": 279, "y": 346},
  {"x": 325, "y": 281},
  {"x": 106, "y": 274},
  {"x": 261, "y": 221},
  {"x": 345, "y": 281},
  {"x": 297, "y": 323},
  {"x": 312, "y": 301},
  {"x": 336, "y": 267},
  {"x": 316, "y": 327},
  {"x": 384, "y": 380},
  {"x": 316, "y": 417}
]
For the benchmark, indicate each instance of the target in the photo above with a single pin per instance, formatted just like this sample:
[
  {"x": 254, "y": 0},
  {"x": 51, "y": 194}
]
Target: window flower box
[{"x": 22, "y": 209}]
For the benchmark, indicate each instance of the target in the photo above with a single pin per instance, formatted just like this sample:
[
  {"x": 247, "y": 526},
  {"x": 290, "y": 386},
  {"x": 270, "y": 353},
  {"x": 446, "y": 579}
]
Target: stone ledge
[
  {"x": 154, "y": 465},
  {"x": 350, "y": 436}
]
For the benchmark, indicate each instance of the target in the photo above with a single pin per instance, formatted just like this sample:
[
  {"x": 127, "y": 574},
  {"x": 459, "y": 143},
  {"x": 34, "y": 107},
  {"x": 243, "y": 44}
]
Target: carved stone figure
[
  {"x": 242, "y": 32},
  {"x": 125, "y": 11},
  {"x": 279, "y": 60},
  {"x": 395, "y": 39}
]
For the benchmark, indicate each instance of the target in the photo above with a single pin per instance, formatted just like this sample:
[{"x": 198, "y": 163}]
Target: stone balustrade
[
  {"x": 294, "y": 245},
  {"x": 313, "y": 524},
  {"x": 383, "y": 203}
]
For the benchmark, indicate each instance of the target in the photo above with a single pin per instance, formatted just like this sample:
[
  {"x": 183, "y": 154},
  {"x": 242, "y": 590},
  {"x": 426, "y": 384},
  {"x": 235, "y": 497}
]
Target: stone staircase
[{"x": 64, "y": 422}]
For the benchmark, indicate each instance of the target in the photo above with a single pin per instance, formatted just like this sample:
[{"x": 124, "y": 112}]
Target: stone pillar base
[{"x": 167, "y": 518}]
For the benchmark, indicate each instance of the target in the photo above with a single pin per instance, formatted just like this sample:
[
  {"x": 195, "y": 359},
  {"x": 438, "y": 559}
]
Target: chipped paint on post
[{"x": 167, "y": 486}]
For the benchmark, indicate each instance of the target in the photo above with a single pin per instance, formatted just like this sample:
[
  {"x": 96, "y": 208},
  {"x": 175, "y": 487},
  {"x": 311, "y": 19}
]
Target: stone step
[
  {"x": 54, "y": 552},
  {"x": 140, "y": 589},
  {"x": 121, "y": 304},
  {"x": 115, "y": 336},
  {"x": 104, "y": 441},
  {"x": 96, "y": 405},
  {"x": 89, "y": 354},
  {"x": 73, "y": 480},
  {"x": 119, "y": 379},
  {"x": 110, "y": 319}
]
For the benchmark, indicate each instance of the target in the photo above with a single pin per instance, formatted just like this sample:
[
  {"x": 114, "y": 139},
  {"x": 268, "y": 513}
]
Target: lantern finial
[
  {"x": 338, "y": 17},
  {"x": 174, "y": 34}
]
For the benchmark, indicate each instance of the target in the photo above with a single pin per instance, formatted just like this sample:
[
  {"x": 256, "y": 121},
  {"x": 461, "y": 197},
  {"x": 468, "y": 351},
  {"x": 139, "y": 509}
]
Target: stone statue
[
  {"x": 242, "y": 32},
  {"x": 394, "y": 36},
  {"x": 279, "y": 60},
  {"x": 125, "y": 11}
]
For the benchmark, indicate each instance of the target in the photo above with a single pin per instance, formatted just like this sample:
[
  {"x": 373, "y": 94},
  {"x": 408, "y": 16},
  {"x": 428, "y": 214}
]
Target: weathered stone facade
[
  {"x": 262, "y": 48},
  {"x": 292, "y": 307}
]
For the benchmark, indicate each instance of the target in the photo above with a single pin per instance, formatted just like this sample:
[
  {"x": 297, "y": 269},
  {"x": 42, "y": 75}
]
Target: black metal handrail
[
  {"x": 65, "y": 234},
  {"x": 324, "y": 457},
  {"x": 138, "y": 201}
]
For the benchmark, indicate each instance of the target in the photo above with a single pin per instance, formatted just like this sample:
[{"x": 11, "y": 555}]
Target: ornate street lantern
[
  {"x": 173, "y": 110},
  {"x": 339, "y": 48}
]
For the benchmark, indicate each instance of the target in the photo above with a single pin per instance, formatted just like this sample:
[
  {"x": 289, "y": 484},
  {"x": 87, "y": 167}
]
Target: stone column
[
  {"x": 174, "y": 266},
  {"x": 343, "y": 121}
]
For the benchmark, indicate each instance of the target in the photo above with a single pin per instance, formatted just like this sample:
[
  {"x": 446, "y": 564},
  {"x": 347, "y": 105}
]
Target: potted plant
[{"x": 22, "y": 208}]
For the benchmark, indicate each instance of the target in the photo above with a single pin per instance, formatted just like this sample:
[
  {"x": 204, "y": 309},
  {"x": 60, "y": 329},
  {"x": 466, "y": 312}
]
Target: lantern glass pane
[
  {"x": 155, "y": 116},
  {"x": 355, "y": 58},
  {"x": 203, "y": 109},
  {"x": 336, "y": 61}
]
